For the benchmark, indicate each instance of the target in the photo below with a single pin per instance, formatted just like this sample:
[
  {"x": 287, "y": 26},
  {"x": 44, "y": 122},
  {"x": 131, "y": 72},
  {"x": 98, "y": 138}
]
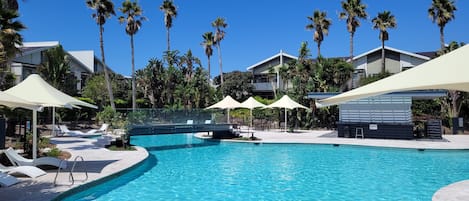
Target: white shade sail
[
  {"x": 450, "y": 72},
  {"x": 34, "y": 89},
  {"x": 251, "y": 103},
  {"x": 14, "y": 102},
  {"x": 287, "y": 103},
  {"x": 226, "y": 103}
]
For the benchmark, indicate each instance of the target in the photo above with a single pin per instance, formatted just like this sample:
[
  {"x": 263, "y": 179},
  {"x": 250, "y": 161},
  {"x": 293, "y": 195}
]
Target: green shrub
[{"x": 54, "y": 152}]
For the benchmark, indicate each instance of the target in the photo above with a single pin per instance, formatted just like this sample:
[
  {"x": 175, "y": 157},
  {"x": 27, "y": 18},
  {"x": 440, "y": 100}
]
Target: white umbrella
[
  {"x": 287, "y": 103},
  {"x": 37, "y": 91},
  {"x": 251, "y": 103},
  {"x": 14, "y": 102},
  {"x": 227, "y": 103}
]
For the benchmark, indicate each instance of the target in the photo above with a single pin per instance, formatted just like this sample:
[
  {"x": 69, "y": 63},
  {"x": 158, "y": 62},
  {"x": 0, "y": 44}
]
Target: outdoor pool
[{"x": 182, "y": 167}]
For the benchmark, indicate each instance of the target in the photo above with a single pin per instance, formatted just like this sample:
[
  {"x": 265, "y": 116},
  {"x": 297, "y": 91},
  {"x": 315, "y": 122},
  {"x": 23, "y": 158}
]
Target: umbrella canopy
[
  {"x": 445, "y": 72},
  {"x": 251, "y": 103},
  {"x": 37, "y": 91},
  {"x": 14, "y": 102},
  {"x": 287, "y": 103},
  {"x": 227, "y": 103}
]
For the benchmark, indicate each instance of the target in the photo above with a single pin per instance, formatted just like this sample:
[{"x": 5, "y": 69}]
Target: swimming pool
[{"x": 182, "y": 167}]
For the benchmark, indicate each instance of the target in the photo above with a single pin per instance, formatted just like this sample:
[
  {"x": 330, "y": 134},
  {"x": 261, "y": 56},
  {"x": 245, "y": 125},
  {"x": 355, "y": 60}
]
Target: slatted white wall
[{"x": 378, "y": 109}]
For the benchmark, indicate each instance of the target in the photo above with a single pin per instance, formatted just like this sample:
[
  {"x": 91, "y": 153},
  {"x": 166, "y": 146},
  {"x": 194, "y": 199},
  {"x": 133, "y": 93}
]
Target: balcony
[{"x": 263, "y": 86}]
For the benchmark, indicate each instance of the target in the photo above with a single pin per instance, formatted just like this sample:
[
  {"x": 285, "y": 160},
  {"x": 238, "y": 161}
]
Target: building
[
  {"x": 82, "y": 63},
  {"x": 266, "y": 76}
]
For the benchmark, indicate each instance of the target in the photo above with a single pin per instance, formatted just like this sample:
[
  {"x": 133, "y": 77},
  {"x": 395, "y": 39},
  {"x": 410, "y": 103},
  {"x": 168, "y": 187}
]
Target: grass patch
[{"x": 116, "y": 148}]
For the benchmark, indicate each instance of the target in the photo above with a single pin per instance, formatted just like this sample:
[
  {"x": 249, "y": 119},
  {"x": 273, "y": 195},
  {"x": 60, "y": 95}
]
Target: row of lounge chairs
[
  {"x": 64, "y": 131},
  {"x": 24, "y": 166}
]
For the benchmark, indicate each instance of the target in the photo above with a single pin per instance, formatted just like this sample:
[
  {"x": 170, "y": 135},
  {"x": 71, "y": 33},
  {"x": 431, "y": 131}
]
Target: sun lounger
[
  {"x": 29, "y": 171},
  {"x": 7, "y": 180},
  {"x": 19, "y": 160},
  {"x": 77, "y": 133}
]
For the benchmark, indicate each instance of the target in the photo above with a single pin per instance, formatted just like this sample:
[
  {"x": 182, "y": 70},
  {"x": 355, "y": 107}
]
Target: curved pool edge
[
  {"x": 458, "y": 191},
  {"x": 103, "y": 179}
]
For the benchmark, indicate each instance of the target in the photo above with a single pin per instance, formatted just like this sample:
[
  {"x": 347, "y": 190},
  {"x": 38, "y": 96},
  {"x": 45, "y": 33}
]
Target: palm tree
[
  {"x": 320, "y": 24},
  {"x": 10, "y": 4},
  {"x": 352, "y": 11},
  {"x": 170, "y": 12},
  {"x": 442, "y": 12},
  {"x": 218, "y": 24},
  {"x": 104, "y": 9},
  {"x": 383, "y": 21},
  {"x": 208, "y": 43},
  {"x": 10, "y": 38},
  {"x": 133, "y": 21}
]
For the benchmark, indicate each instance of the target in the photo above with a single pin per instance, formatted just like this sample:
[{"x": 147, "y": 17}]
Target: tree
[
  {"x": 55, "y": 69},
  {"x": 170, "y": 12},
  {"x": 10, "y": 4},
  {"x": 188, "y": 62},
  {"x": 353, "y": 10},
  {"x": 237, "y": 85},
  {"x": 104, "y": 9},
  {"x": 208, "y": 42},
  {"x": 96, "y": 88},
  {"x": 10, "y": 39},
  {"x": 320, "y": 24},
  {"x": 218, "y": 24},
  {"x": 382, "y": 22},
  {"x": 133, "y": 21},
  {"x": 442, "y": 12}
]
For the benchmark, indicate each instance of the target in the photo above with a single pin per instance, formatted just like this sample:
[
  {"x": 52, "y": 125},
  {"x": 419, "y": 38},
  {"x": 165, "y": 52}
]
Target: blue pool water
[{"x": 185, "y": 168}]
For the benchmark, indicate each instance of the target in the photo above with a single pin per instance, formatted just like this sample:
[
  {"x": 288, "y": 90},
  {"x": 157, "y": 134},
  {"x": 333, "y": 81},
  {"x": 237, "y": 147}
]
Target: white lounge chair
[
  {"x": 77, "y": 133},
  {"x": 208, "y": 121},
  {"x": 19, "y": 160},
  {"x": 29, "y": 171},
  {"x": 7, "y": 180},
  {"x": 190, "y": 121}
]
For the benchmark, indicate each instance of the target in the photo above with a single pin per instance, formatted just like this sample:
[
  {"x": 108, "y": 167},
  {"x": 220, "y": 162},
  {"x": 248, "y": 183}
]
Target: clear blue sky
[{"x": 257, "y": 29}]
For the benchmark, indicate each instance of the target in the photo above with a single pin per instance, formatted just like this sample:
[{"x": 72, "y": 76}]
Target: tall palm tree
[
  {"x": 442, "y": 12},
  {"x": 207, "y": 44},
  {"x": 320, "y": 24},
  {"x": 10, "y": 27},
  {"x": 383, "y": 21},
  {"x": 170, "y": 12},
  {"x": 10, "y": 4},
  {"x": 133, "y": 21},
  {"x": 104, "y": 9},
  {"x": 218, "y": 24},
  {"x": 353, "y": 10}
]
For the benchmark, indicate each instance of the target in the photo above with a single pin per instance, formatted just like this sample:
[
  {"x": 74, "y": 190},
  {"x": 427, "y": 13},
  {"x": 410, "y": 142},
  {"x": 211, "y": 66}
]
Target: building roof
[
  {"x": 32, "y": 47},
  {"x": 420, "y": 56},
  {"x": 85, "y": 57},
  {"x": 416, "y": 94},
  {"x": 270, "y": 58}
]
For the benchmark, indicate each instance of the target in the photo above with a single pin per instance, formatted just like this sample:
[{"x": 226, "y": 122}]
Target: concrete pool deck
[{"x": 101, "y": 162}]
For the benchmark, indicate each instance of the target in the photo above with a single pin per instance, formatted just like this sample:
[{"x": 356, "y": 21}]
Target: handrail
[{"x": 70, "y": 176}]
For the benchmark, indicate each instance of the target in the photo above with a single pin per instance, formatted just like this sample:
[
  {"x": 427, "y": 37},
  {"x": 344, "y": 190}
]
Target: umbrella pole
[
  {"x": 53, "y": 122},
  {"x": 228, "y": 115},
  {"x": 252, "y": 134},
  {"x": 286, "y": 120},
  {"x": 34, "y": 134}
]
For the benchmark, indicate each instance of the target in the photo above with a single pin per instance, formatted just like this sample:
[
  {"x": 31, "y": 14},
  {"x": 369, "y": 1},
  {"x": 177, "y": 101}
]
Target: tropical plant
[
  {"x": 10, "y": 4},
  {"x": 104, "y": 9},
  {"x": 320, "y": 24},
  {"x": 55, "y": 69},
  {"x": 219, "y": 24},
  {"x": 133, "y": 21},
  {"x": 353, "y": 10},
  {"x": 188, "y": 62},
  {"x": 382, "y": 22},
  {"x": 170, "y": 12},
  {"x": 95, "y": 89},
  {"x": 237, "y": 85},
  {"x": 208, "y": 42},
  {"x": 442, "y": 12},
  {"x": 10, "y": 39}
]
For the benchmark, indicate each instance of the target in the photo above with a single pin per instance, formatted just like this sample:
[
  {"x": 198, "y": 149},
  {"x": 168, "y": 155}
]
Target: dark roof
[{"x": 431, "y": 54}]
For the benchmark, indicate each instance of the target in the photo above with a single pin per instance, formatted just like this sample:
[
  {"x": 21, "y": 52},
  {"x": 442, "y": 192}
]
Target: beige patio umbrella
[
  {"x": 14, "y": 102},
  {"x": 449, "y": 72},
  {"x": 37, "y": 91},
  {"x": 250, "y": 104},
  {"x": 227, "y": 103},
  {"x": 287, "y": 103}
]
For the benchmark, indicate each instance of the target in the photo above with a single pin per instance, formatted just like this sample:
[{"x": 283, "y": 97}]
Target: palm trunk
[
  {"x": 106, "y": 74},
  {"x": 208, "y": 66},
  {"x": 134, "y": 105},
  {"x": 442, "y": 37},
  {"x": 167, "y": 38},
  {"x": 383, "y": 63},
  {"x": 319, "y": 49},
  {"x": 351, "y": 46},
  {"x": 219, "y": 61}
]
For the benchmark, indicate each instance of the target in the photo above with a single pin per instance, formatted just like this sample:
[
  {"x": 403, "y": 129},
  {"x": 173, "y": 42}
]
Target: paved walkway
[{"x": 100, "y": 162}]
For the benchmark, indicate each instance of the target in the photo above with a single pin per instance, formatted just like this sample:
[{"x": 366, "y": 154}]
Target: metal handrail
[
  {"x": 58, "y": 171},
  {"x": 70, "y": 176}
]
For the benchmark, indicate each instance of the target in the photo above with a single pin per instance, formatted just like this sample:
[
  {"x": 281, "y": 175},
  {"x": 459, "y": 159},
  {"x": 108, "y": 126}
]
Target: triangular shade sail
[
  {"x": 226, "y": 103},
  {"x": 286, "y": 102},
  {"x": 450, "y": 72},
  {"x": 14, "y": 102},
  {"x": 251, "y": 103},
  {"x": 34, "y": 89}
]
